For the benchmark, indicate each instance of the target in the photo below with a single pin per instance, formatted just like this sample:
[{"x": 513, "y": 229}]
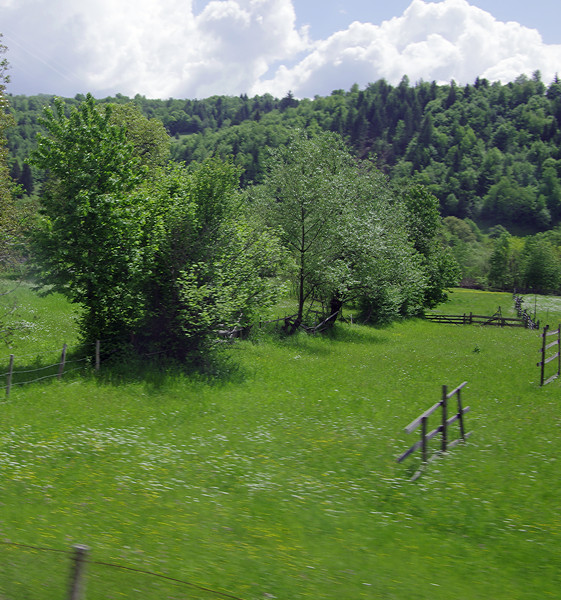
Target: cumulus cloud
[
  {"x": 159, "y": 49},
  {"x": 167, "y": 48},
  {"x": 430, "y": 41}
]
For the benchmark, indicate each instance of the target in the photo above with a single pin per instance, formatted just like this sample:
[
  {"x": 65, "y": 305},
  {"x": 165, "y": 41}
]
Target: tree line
[
  {"x": 498, "y": 260},
  {"x": 488, "y": 151}
]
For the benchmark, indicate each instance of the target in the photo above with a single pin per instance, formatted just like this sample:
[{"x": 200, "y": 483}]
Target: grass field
[{"x": 277, "y": 477}]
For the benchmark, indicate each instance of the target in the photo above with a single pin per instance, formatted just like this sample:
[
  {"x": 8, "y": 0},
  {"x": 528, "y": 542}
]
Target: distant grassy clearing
[{"x": 279, "y": 479}]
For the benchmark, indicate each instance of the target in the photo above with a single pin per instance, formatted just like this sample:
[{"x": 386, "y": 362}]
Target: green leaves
[
  {"x": 345, "y": 230},
  {"x": 167, "y": 258},
  {"x": 10, "y": 223},
  {"x": 89, "y": 243},
  {"x": 213, "y": 266},
  {"x": 424, "y": 224},
  {"x": 86, "y": 151}
]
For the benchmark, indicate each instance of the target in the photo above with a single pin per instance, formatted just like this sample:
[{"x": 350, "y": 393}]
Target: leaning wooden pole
[
  {"x": 558, "y": 350},
  {"x": 544, "y": 339},
  {"x": 424, "y": 438},
  {"x": 461, "y": 415},
  {"x": 77, "y": 579},
  {"x": 97, "y": 355}
]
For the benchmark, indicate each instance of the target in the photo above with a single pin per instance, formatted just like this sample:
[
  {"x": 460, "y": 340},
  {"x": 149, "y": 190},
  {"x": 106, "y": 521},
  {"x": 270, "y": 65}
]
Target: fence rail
[
  {"x": 471, "y": 319},
  {"x": 531, "y": 323},
  {"x": 547, "y": 359},
  {"x": 524, "y": 319},
  {"x": 442, "y": 429}
]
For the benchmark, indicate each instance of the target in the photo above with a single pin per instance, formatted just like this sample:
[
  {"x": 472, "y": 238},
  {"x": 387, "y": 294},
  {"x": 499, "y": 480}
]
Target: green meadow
[{"x": 275, "y": 475}]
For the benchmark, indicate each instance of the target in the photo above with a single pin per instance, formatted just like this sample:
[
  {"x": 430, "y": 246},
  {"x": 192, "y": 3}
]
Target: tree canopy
[
  {"x": 9, "y": 223},
  {"x": 351, "y": 238},
  {"x": 471, "y": 146},
  {"x": 159, "y": 257}
]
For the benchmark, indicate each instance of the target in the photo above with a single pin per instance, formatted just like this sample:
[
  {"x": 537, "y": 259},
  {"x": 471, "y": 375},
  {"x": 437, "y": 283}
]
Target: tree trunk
[
  {"x": 301, "y": 295},
  {"x": 335, "y": 307}
]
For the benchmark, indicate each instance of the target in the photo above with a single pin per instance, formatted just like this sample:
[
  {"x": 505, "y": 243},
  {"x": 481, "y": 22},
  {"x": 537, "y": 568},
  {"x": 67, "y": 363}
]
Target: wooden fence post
[
  {"x": 558, "y": 350},
  {"x": 544, "y": 338},
  {"x": 422, "y": 421},
  {"x": 424, "y": 438},
  {"x": 444, "y": 417},
  {"x": 461, "y": 415},
  {"x": 62, "y": 361},
  {"x": 97, "y": 355},
  {"x": 9, "y": 377},
  {"x": 77, "y": 585}
]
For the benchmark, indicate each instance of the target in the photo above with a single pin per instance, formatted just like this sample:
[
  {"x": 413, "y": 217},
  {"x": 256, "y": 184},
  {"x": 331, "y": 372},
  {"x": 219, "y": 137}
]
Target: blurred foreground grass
[{"x": 278, "y": 478}]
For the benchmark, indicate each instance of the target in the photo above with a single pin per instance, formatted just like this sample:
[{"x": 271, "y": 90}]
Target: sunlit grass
[
  {"x": 279, "y": 479},
  {"x": 44, "y": 322},
  {"x": 546, "y": 308},
  {"x": 466, "y": 301}
]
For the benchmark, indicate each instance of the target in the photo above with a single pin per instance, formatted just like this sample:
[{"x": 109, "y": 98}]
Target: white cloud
[
  {"x": 430, "y": 41},
  {"x": 158, "y": 49},
  {"x": 164, "y": 48}
]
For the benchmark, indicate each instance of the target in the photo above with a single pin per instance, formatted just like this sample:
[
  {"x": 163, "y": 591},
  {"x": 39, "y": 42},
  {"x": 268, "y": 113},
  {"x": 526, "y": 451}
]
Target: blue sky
[{"x": 198, "y": 48}]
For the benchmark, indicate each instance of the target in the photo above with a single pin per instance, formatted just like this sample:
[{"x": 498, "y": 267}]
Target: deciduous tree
[
  {"x": 424, "y": 224},
  {"x": 90, "y": 241},
  {"x": 344, "y": 230},
  {"x": 162, "y": 257},
  {"x": 212, "y": 267},
  {"x": 9, "y": 227}
]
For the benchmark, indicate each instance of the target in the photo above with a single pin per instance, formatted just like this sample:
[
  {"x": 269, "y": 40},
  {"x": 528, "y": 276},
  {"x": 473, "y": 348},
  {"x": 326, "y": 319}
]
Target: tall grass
[{"x": 278, "y": 478}]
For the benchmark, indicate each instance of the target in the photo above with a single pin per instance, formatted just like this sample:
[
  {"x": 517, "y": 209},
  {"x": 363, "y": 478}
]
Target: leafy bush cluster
[
  {"x": 159, "y": 255},
  {"x": 499, "y": 260}
]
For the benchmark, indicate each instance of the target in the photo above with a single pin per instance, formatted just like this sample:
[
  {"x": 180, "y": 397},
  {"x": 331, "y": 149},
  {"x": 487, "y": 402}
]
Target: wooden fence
[
  {"x": 547, "y": 359},
  {"x": 470, "y": 319},
  {"x": 531, "y": 323},
  {"x": 442, "y": 429}
]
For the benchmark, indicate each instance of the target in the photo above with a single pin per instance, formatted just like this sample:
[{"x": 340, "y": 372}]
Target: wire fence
[
  {"x": 82, "y": 356},
  {"x": 68, "y": 359},
  {"x": 34, "y": 371},
  {"x": 73, "y": 574}
]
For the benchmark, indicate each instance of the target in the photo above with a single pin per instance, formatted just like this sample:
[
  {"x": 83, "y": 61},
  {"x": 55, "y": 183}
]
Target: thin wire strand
[
  {"x": 66, "y": 362},
  {"x": 188, "y": 583},
  {"x": 44, "y": 352},
  {"x": 36, "y": 370},
  {"x": 124, "y": 568},
  {"x": 65, "y": 372},
  {"x": 38, "y": 548}
]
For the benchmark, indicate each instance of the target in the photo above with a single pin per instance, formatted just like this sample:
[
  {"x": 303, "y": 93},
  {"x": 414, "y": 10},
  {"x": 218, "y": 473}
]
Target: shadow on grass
[
  {"x": 358, "y": 334},
  {"x": 157, "y": 373},
  {"x": 46, "y": 367},
  {"x": 341, "y": 332}
]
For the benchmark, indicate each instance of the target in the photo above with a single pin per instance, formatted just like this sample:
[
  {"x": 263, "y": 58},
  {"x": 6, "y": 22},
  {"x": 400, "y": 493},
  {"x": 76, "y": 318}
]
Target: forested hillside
[{"x": 487, "y": 151}]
